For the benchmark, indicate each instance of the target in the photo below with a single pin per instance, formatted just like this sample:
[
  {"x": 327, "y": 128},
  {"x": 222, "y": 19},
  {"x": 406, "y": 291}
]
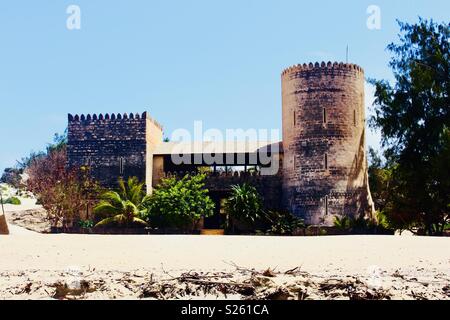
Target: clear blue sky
[{"x": 217, "y": 61}]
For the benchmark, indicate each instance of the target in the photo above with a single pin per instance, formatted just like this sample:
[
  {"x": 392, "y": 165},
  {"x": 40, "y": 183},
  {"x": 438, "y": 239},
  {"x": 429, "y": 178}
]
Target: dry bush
[{"x": 64, "y": 193}]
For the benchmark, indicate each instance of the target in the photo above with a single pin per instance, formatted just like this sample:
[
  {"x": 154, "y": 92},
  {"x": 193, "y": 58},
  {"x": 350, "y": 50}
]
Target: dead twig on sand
[
  {"x": 296, "y": 271},
  {"x": 167, "y": 273},
  {"x": 242, "y": 269},
  {"x": 203, "y": 279},
  {"x": 269, "y": 272},
  {"x": 418, "y": 296},
  {"x": 215, "y": 283},
  {"x": 194, "y": 275}
]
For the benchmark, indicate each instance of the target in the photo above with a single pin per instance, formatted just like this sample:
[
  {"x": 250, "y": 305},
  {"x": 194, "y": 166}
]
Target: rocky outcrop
[{"x": 32, "y": 219}]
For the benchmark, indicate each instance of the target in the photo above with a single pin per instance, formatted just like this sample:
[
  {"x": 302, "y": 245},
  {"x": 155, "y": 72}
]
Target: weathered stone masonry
[
  {"x": 325, "y": 167},
  {"x": 111, "y": 145}
]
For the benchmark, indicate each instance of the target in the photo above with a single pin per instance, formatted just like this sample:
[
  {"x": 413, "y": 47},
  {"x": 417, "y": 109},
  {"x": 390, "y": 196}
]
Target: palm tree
[
  {"x": 132, "y": 190},
  {"x": 122, "y": 207},
  {"x": 244, "y": 204}
]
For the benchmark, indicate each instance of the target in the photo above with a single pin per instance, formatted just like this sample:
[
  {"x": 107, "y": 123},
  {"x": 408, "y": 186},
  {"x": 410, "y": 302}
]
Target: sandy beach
[
  {"x": 25, "y": 249},
  {"x": 42, "y": 266},
  {"x": 394, "y": 264}
]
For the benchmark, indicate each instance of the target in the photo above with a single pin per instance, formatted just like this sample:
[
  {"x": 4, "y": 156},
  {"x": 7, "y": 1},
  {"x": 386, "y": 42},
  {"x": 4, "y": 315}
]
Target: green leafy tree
[
  {"x": 123, "y": 207},
  {"x": 244, "y": 205},
  {"x": 414, "y": 118},
  {"x": 381, "y": 182},
  {"x": 179, "y": 203},
  {"x": 380, "y": 175}
]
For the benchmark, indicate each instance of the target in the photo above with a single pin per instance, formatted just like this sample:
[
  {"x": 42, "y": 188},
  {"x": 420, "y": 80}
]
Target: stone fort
[{"x": 321, "y": 158}]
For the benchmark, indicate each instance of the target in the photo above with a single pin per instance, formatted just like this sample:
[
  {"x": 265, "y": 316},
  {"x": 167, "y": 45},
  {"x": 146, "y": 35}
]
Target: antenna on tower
[{"x": 346, "y": 55}]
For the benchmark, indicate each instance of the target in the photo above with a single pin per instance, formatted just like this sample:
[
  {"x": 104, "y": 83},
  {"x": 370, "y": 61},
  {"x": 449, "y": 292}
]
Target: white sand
[
  {"x": 31, "y": 263},
  {"x": 33, "y": 266},
  {"x": 26, "y": 250}
]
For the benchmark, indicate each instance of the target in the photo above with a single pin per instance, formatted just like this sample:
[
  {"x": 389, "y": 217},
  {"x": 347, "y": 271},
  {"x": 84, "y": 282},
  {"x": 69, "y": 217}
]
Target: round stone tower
[{"x": 324, "y": 164}]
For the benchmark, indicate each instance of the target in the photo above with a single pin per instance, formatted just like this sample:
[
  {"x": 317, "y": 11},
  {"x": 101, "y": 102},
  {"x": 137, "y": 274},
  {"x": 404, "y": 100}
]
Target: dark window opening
[
  {"x": 326, "y": 205},
  {"x": 326, "y": 161},
  {"x": 121, "y": 165},
  {"x": 324, "y": 115}
]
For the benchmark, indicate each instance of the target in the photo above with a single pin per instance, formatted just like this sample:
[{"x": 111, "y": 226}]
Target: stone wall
[
  {"x": 325, "y": 166},
  {"x": 112, "y": 146},
  {"x": 154, "y": 136},
  {"x": 158, "y": 169}
]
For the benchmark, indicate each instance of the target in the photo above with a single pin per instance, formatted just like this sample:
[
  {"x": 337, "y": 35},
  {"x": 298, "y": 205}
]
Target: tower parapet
[
  {"x": 322, "y": 65},
  {"x": 111, "y": 117},
  {"x": 325, "y": 166}
]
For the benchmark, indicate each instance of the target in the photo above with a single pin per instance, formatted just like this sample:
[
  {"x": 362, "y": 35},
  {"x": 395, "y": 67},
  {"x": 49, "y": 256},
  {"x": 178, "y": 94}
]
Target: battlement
[
  {"x": 103, "y": 119},
  {"x": 323, "y": 65}
]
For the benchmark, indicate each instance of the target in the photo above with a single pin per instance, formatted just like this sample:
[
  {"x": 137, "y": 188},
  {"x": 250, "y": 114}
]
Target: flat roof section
[{"x": 217, "y": 147}]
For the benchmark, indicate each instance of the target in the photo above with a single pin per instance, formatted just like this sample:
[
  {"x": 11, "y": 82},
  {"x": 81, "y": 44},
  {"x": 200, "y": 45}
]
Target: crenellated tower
[
  {"x": 113, "y": 145},
  {"x": 325, "y": 165}
]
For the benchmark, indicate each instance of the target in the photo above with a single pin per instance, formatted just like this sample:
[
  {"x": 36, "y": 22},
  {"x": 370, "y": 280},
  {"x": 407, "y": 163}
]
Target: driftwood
[
  {"x": 242, "y": 283},
  {"x": 215, "y": 283},
  {"x": 204, "y": 279},
  {"x": 290, "y": 285}
]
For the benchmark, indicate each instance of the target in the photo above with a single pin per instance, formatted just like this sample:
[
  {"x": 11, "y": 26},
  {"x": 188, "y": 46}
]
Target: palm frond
[
  {"x": 105, "y": 207},
  {"x": 112, "y": 197},
  {"x": 118, "y": 219},
  {"x": 136, "y": 194},
  {"x": 130, "y": 207},
  {"x": 139, "y": 221},
  {"x": 124, "y": 206},
  {"x": 122, "y": 189}
]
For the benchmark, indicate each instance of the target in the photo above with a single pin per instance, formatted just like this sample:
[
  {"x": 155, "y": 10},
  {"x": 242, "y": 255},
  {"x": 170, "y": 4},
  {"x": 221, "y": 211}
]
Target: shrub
[
  {"x": 63, "y": 192},
  {"x": 13, "y": 200},
  {"x": 283, "y": 222},
  {"x": 383, "y": 221},
  {"x": 344, "y": 223},
  {"x": 244, "y": 206},
  {"x": 86, "y": 224},
  {"x": 363, "y": 225},
  {"x": 179, "y": 203}
]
